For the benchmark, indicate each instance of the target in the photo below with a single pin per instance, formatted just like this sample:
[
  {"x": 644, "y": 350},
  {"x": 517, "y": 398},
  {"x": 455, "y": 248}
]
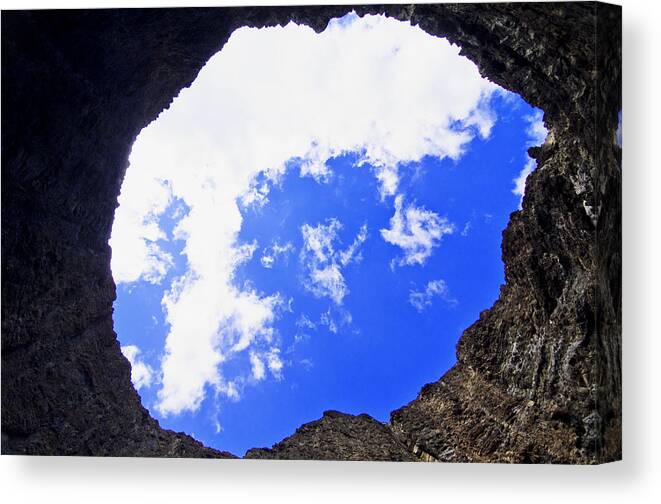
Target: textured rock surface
[
  {"x": 337, "y": 436},
  {"x": 538, "y": 377}
]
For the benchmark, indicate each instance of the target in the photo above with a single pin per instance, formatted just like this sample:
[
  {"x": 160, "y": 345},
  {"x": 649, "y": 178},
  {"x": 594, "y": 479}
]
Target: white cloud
[
  {"x": 537, "y": 134},
  {"x": 352, "y": 253},
  {"x": 274, "y": 363},
  {"x": 328, "y": 281},
  {"x": 141, "y": 373},
  {"x": 318, "y": 240},
  {"x": 303, "y": 322},
  {"x": 267, "y": 261},
  {"x": 421, "y": 300},
  {"x": 306, "y": 363},
  {"x": 304, "y": 325},
  {"x": 258, "y": 370},
  {"x": 272, "y": 253},
  {"x": 136, "y": 254},
  {"x": 375, "y": 86},
  {"x": 231, "y": 389},
  {"x": 333, "y": 321},
  {"x": 536, "y": 130},
  {"x": 416, "y": 231},
  {"x": 324, "y": 263},
  {"x": 328, "y": 321},
  {"x": 467, "y": 228},
  {"x": 520, "y": 180}
]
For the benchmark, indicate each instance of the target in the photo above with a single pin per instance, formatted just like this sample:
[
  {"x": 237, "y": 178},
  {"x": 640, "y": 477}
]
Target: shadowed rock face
[{"x": 538, "y": 377}]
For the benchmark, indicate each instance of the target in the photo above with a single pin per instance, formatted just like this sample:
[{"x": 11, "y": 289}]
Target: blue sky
[{"x": 315, "y": 231}]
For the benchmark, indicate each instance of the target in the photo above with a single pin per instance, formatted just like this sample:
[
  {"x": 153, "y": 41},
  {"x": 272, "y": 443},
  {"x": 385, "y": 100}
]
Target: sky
[{"x": 311, "y": 225}]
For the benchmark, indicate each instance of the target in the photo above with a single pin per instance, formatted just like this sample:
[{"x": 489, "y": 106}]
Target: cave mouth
[{"x": 302, "y": 180}]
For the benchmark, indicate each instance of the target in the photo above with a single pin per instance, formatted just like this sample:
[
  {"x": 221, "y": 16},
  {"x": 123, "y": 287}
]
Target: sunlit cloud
[
  {"x": 258, "y": 369},
  {"x": 142, "y": 374},
  {"x": 537, "y": 134},
  {"x": 536, "y": 130},
  {"x": 274, "y": 363},
  {"x": 336, "y": 319},
  {"x": 416, "y": 231},
  {"x": 275, "y": 251},
  {"x": 323, "y": 261},
  {"x": 303, "y": 322},
  {"x": 520, "y": 180},
  {"x": 423, "y": 299}
]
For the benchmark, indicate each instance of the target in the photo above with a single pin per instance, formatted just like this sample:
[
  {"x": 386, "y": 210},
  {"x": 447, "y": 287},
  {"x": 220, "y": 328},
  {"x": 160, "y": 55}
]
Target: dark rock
[
  {"x": 538, "y": 377},
  {"x": 337, "y": 436}
]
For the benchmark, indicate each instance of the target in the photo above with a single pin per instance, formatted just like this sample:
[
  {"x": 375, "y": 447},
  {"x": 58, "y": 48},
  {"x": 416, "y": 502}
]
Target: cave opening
[{"x": 316, "y": 216}]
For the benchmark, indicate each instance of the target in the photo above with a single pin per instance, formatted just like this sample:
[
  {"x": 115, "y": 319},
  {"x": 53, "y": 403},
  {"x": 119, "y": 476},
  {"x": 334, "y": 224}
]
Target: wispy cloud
[
  {"x": 520, "y": 180},
  {"x": 335, "y": 319},
  {"x": 257, "y": 366},
  {"x": 423, "y": 299},
  {"x": 303, "y": 322},
  {"x": 536, "y": 130},
  {"x": 416, "y": 231},
  {"x": 272, "y": 253},
  {"x": 274, "y": 363},
  {"x": 323, "y": 262},
  {"x": 466, "y": 229},
  {"x": 304, "y": 96},
  {"x": 142, "y": 373},
  {"x": 270, "y": 359},
  {"x": 537, "y": 134}
]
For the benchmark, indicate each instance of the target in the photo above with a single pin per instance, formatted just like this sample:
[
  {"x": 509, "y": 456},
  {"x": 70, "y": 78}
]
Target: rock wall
[{"x": 538, "y": 377}]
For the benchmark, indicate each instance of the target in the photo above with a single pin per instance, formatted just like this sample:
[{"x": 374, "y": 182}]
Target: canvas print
[{"x": 368, "y": 233}]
